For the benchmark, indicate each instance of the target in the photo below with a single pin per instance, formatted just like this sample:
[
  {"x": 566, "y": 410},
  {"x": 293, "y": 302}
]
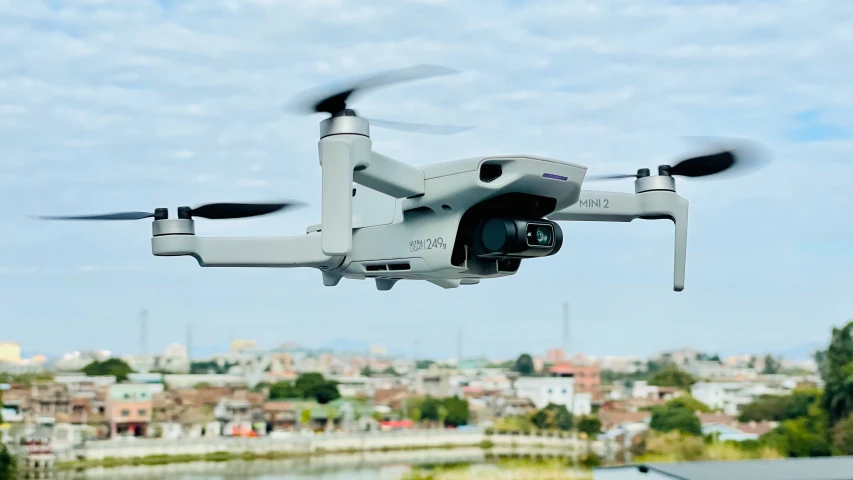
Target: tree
[
  {"x": 591, "y": 426},
  {"x": 797, "y": 438},
  {"x": 688, "y": 402},
  {"x": 8, "y": 464},
  {"x": 524, "y": 365},
  {"x": 842, "y": 436},
  {"x": 777, "y": 408},
  {"x": 283, "y": 391},
  {"x": 771, "y": 365},
  {"x": 431, "y": 409},
  {"x": 457, "y": 411},
  {"x": 390, "y": 371},
  {"x": 111, "y": 366},
  {"x": 836, "y": 369},
  {"x": 672, "y": 376},
  {"x": 667, "y": 419},
  {"x": 552, "y": 416},
  {"x": 313, "y": 385},
  {"x": 423, "y": 364},
  {"x": 367, "y": 371}
]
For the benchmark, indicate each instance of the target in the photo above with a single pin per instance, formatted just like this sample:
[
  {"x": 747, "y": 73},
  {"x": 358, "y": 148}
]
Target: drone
[{"x": 453, "y": 223}]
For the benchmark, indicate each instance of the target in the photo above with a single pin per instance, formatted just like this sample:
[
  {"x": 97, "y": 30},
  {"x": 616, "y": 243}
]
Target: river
[{"x": 357, "y": 466}]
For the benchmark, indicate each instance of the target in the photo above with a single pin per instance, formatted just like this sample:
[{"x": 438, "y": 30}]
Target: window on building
[
  {"x": 142, "y": 412},
  {"x": 125, "y": 413},
  {"x": 564, "y": 391},
  {"x": 550, "y": 391}
]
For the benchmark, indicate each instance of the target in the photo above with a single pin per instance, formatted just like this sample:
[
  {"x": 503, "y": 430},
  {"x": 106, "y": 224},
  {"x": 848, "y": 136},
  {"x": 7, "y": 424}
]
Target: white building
[
  {"x": 731, "y": 397},
  {"x": 542, "y": 391}
]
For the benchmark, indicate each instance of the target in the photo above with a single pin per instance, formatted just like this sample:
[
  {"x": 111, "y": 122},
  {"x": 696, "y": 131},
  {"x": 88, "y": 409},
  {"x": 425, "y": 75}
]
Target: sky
[{"x": 138, "y": 104}]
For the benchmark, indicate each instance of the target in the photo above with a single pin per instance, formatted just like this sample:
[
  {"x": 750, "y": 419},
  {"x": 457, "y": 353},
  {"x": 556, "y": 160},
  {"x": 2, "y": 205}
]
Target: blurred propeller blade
[
  {"x": 104, "y": 216},
  {"x": 333, "y": 100},
  {"x": 420, "y": 127},
  {"x": 223, "y": 211}
]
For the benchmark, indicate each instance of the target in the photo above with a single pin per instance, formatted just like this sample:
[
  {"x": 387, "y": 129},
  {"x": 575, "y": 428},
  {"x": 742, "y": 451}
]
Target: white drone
[{"x": 453, "y": 223}]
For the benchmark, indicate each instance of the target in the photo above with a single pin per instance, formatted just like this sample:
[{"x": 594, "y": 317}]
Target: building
[
  {"x": 818, "y": 468},
  {"x": 587, "y": 376},
  {"x": 128, "y": 409},
  {"x": 10, "y": 352},
  {"x": 731, "y": 397},
  {"x": 555, "y": 356}
]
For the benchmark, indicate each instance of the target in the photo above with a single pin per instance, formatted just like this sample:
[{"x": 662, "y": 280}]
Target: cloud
[{"x": 132, "y": 105}]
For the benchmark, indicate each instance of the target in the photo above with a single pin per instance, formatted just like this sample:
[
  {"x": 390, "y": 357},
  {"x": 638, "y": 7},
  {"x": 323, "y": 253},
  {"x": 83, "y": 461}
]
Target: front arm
[
  {"x": 176, "y": 237},
  {"x": 596, "y": 206}
]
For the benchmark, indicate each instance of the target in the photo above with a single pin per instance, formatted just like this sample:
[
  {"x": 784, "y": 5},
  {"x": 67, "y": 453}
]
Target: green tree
[
  {"x": 836, "y": 369},
  {"x": 552, "y": 416},
  {"x": 313, "y": 385},
  {"x": 797, "y": 438},
  {"x": 390, "y": 371},
  {"x": 524, "y": 364},
  {"x": 589, "y": 425},
  {"x": 688, "y": 402},
  {"x": 111, "y": 366},
  {"x": 777, "y": 408},
  {"x": 666, "y": 419},
  {"x": 431, "y": 409},
  {"x": 672, "y": 376},
  {"x": 842, "y": 436},
  {"x": 423, "y": 364},
  {"x": 283, "y": 391},
  {"x": 457, "y": 411},
  {"x": 8, "y": 464},
  {"x": 771, "y": 365}
]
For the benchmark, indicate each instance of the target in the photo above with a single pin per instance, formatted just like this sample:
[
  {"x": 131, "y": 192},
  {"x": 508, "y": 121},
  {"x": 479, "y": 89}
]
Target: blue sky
[{"x": 140, "y": 104}]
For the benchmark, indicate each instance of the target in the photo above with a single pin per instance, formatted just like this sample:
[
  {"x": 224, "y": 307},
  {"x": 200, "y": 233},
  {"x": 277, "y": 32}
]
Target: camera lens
[{"x": 540, "y": 235}]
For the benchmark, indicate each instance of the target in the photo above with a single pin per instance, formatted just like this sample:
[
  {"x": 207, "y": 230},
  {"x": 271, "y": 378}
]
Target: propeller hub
[
  {"x": 345, "y": 124},
  {"x": 654, "y": 183},
  {"x": 643, "y": 172},
  {"x": 185, "y": 213},
  {"x": 665, "y": 170},
  {"x": 161, "y": 213}
]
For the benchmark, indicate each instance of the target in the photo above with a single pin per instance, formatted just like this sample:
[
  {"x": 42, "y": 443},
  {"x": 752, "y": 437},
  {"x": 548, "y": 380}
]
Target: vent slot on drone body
[
  {"x": 490, "y": 172},
  {"x": 385, "y": 267}
]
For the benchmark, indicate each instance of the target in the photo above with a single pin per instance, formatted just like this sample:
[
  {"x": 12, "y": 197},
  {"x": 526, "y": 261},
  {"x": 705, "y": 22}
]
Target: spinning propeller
[
  {"x": 334, "y": 100},
  {"x": 213, "y": 211},
  {"x": 726, "y": 159}
]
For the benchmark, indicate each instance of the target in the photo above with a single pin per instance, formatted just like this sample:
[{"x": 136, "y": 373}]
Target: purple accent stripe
[{"x": 555, "y": 177}]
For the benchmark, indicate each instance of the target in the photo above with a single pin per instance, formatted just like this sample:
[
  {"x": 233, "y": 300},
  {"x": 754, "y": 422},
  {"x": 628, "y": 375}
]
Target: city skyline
[{"x": 149, "y": 104}]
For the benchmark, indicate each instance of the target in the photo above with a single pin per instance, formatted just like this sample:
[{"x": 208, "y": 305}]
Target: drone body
[{"x": 453, "y": 223}]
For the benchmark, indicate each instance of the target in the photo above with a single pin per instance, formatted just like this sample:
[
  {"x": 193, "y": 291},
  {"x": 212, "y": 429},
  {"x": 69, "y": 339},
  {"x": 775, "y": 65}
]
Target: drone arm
[
  {"x": 297, "y": 251},
  {"x": 624, "y": 207},
  {"x": 391, "y": 177}
]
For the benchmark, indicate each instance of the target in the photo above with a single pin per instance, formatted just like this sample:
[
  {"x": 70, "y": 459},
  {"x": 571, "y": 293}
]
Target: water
[{"x": 357, "y": 466}]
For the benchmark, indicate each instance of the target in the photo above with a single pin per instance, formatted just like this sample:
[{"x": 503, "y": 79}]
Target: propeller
[
  {"x": 725, "y": 159},
  {"x": 333, "y": 101},
  {"x": 213, "y": 211}
]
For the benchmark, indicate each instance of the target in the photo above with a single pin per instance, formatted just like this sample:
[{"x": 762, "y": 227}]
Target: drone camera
[{"x": 514, "y": 238}]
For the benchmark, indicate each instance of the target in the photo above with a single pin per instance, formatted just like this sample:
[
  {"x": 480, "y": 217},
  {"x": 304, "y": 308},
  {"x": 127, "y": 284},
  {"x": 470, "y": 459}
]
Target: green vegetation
[
  {"x": 688, "y": 402},
  {"x": 8, "y": 465},
  {"x": 211, "y": 367},
  {"x": 591, "y": 426},
  {"x": 25, "y": 378},
  {"x": 308, "y": 386},
  {"x": 672, "y": 376},
  {"x": 524, "y": 365},
  {"x": 675, "y": 446},
  {"x": 677, "y": 418},
  {"x": 553, "y": 417},
  {"x": 451, "y": 411},
  {"x": 111, "y": 366},
  {"x": 778, "y": 408}
]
